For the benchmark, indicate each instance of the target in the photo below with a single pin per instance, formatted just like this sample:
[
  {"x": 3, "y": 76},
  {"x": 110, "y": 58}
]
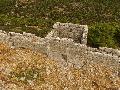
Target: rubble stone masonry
[{"x": 59, "y": 46}]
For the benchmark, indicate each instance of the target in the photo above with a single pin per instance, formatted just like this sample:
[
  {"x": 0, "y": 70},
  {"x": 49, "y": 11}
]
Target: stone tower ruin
[{"x": 72, "y": 31}]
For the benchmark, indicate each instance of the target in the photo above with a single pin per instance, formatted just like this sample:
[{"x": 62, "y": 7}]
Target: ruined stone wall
[
  {"x": 25, "y": 40},
  {"x": 68, "y": 30},
  {"x": 64, "y": 50}
]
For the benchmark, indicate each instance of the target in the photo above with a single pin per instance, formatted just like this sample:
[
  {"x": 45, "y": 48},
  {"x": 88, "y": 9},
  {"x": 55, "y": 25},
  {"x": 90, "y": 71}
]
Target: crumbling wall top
[{"x": 68, "y": 30}]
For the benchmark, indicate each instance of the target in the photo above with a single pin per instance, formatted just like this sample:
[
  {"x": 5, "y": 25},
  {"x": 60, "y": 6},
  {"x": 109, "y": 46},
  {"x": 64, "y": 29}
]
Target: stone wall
[
  {"x": 68, "y": 30},
  {"x": 25, "y": 40},
  {"x": 64, "y": 50},
  {"x": 67, "y": 51}
]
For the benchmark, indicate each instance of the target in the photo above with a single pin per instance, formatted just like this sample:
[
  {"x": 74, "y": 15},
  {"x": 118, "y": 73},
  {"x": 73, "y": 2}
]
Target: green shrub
[
  {"x": 32, "y": 74},
  {"x": 75, "y": 11},
  {"x": 104, "y": 35},
  {"x": 6, "y": 5},
  {"x": 45, "y": 13}
]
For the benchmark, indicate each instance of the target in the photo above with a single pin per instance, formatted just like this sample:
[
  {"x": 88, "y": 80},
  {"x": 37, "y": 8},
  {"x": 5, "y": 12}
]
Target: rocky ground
[{"x": 24, "y": 69}]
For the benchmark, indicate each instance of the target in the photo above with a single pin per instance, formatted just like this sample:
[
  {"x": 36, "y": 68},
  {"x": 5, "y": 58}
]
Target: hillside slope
[
  {"x": 23, "y": 69},
  {"x": 38, "y": 16}
]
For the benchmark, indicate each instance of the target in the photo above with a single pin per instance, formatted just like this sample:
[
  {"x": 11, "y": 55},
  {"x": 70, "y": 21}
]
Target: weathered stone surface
[
  {"x": 68, "y": 30},
  {"x": 63, "y": 48}
]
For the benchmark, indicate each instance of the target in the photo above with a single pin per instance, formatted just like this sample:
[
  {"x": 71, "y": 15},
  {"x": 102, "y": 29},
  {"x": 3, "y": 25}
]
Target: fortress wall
[
  {"x": 25, "y": 40},
  {"x": 67, "y": 51},
  {"x": 68, "y": 30},
  {"x": 64, "y": 50}
]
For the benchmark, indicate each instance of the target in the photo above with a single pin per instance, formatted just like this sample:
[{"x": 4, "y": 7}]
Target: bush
[
  {"x": 7, "y": 5},
  {"x": 45, "y": 13},
  {"x": 104, "y": 35}
]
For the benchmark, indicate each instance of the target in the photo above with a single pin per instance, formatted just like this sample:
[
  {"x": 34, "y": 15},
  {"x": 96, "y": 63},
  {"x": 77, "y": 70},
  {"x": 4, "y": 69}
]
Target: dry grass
[
  {"x": 23, "y": 69},
  {"x": 26, "y": 1}
]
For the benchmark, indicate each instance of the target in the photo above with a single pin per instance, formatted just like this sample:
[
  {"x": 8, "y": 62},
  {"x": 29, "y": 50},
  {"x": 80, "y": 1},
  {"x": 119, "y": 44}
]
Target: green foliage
[
  {"x": 82, "y": 11},
  {"x": 33, "y": 74},
  {"x": 20, "y": 24},
  {"x": 98, "y": 14},
  {"x": 104, "y": 34}
]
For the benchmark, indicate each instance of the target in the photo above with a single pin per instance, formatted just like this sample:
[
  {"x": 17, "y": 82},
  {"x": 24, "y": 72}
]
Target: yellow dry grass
[{"x": 24, "y": 69}]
